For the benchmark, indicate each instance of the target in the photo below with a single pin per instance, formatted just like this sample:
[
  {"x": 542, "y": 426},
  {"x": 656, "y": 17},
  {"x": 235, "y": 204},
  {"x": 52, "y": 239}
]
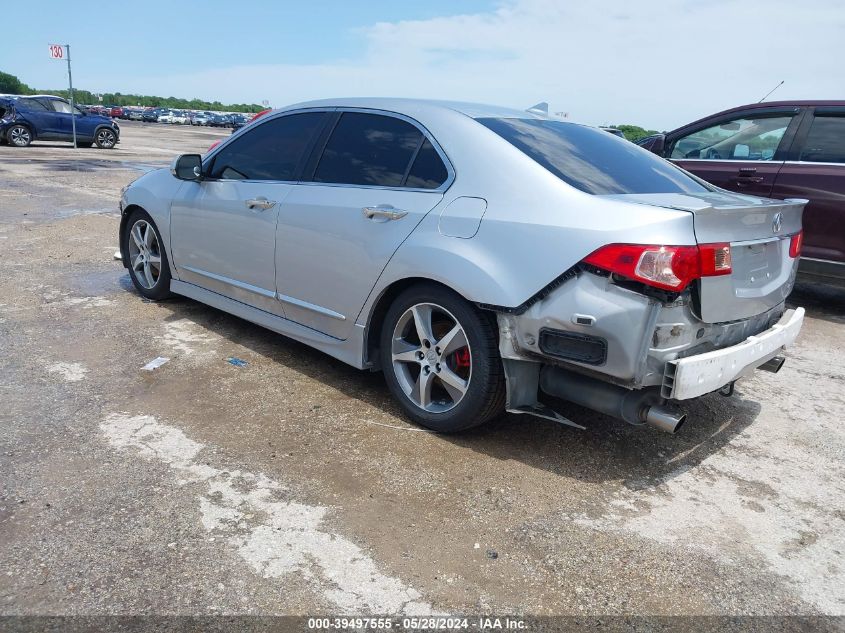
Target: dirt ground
[{"x": 292, "y": 485}]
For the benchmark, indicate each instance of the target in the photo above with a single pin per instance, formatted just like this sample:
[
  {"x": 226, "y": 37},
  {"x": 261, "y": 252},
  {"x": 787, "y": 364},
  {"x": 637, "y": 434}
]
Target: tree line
[
  {"x": 9, "y": 84},
  {"x": 634, "y": 133}
]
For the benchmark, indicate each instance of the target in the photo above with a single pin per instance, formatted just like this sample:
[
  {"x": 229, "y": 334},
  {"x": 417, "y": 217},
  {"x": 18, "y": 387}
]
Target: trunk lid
[{"x": 758, "y": 231}]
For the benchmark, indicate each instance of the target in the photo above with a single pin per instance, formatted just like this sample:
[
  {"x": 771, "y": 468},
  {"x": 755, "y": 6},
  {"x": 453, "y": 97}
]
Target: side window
[
  {"x": 428, "y": 170},
  {"x": 60, "y": 106},
  {"x": 825, "y": 141},
  {"x": 270, "y": 151},
  {"x": 740, "y": 139},
  {"x": 368, "y": 149},
  {"x": 32, "y": 105}
]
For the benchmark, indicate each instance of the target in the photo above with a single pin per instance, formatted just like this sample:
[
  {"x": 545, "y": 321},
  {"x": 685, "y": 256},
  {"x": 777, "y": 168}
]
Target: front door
[
  {"x": 740, "y": 154},
  {"x": 222, "y": 238},
  {"x": 376, "y": 179},
  {"x": 223, "y": 228},
  {"x": 62, "y": 123}
]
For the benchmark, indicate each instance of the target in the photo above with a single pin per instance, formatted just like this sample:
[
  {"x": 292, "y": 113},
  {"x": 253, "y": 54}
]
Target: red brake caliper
[{"x": 462, "y": 358}]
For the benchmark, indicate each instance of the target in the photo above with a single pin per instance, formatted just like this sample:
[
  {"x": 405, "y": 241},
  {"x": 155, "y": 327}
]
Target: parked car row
[{"x": 174, "y": 116}]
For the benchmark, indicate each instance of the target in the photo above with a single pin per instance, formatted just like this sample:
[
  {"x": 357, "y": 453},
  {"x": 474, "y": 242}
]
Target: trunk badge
[{"x": 777, "y": 222}]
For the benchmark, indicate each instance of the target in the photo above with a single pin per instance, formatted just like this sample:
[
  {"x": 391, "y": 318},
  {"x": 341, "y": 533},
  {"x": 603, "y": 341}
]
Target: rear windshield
[{"x": 592, "y": 160}]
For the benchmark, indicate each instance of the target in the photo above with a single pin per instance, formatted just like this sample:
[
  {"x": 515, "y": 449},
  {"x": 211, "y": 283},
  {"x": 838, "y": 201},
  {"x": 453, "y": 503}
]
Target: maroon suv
[{"x": 781, "y": 149}]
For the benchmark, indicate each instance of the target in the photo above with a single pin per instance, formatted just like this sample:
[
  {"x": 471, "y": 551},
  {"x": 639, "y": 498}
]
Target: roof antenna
[
  {"x": 771, "y": 91},
  {"x": 540, "y": 108}
]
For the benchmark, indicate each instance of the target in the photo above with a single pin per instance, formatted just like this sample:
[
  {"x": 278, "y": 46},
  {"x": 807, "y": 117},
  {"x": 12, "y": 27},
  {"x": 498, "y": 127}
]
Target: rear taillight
[
  {"x": 715, "y": 259},
  {"x": 795, "y": 243},
  {"x": 666, "y": 267}
]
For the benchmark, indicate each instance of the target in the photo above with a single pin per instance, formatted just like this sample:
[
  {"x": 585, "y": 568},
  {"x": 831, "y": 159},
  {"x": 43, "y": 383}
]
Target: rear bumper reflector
[{"x": 582, "y": 348}]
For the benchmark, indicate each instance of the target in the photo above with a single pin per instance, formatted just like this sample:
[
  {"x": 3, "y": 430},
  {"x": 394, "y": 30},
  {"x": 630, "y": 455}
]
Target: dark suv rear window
[
  {"x": 592, "y": 160},
  {"x": 32, "y": 104},
  {"x": 825, "y": 141}
]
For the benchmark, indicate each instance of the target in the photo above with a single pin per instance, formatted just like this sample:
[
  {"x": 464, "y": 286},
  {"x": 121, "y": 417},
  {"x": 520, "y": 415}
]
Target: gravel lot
[{"x": 292, "y": 485}]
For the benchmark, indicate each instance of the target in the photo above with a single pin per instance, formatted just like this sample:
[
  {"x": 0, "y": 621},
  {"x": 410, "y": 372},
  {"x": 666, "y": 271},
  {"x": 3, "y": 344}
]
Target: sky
[{"x": 654, "y": 63}]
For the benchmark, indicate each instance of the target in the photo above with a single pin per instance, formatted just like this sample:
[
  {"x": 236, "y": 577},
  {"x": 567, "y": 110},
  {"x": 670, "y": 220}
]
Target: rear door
[
  {"x": 742, "y": 152},
  {"x": 223, "y": 228},
  {"x": 41, "y": 114},
  {"x": 377, "y": 176},
  {"x": 815, "y": 170}
]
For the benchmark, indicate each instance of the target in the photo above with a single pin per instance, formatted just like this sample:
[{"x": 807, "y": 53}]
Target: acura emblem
[{"x": 777, "y": 221}]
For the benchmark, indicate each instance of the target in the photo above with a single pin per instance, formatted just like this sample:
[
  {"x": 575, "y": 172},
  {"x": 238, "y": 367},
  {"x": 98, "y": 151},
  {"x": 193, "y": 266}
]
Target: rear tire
[
  {"x": 19, "y": 136},
  {"x": 440, "y": 358},
  {"x": 148, "y": 265}
]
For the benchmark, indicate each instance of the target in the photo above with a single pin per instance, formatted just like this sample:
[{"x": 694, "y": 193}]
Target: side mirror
[{"x": 187, "y": 167}]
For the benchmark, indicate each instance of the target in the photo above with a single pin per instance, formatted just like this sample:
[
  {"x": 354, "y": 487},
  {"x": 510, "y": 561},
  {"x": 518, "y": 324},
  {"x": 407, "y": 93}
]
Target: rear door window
[
  {"x": 33, "y": 104},
  {"x": 825, "y": 142},
  {"x": 368, "y": 149},
  {"x": 749, "y": 138},
  {"x": 273, "y": 150},
  {"x": 592, "y": 160},
  {"x": 428, "y": 170}
]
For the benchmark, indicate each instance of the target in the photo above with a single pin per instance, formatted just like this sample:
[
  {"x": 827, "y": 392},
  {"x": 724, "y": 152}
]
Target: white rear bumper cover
[{"x": 697, "y": 375}]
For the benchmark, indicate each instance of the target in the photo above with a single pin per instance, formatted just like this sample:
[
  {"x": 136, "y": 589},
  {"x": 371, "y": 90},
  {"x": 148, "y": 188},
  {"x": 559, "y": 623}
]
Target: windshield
[{"x": 592, "y": 160}]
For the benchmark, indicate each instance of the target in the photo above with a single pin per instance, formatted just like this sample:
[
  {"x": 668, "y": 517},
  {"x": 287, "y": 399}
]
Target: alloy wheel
[
  {"x": 105, "y": 138},
  {"x": 431, "y": 357},
  {"x": 20, "y": 136},
  {"x": 144, "y": 254}
]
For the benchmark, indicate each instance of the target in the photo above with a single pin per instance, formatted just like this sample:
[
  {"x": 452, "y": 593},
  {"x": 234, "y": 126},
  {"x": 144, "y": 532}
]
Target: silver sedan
[{"x": 480, "y": 257}]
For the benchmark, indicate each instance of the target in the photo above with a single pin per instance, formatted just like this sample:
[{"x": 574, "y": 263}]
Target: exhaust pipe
[
  {"x": 773, "y": 364},
  {"x": 665, "y": 419},
  {"x": 644, "y": 406}
]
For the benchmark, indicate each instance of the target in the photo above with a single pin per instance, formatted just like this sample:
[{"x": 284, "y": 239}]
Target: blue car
[{"x": 48, "y": 118}]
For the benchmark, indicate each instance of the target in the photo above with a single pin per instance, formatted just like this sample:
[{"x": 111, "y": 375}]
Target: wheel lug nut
[
  {"x": 437, "y": 367},
  {"x": 427, "y": 343}
]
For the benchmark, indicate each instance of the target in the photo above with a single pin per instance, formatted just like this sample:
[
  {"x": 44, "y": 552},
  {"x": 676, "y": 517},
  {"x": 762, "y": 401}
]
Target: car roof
[{"x": 418, "y": 106}]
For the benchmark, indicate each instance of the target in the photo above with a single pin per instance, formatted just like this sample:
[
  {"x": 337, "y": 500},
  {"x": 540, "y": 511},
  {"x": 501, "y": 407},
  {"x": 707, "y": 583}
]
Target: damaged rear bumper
[
  {"x": 628, "y": 355},
  {"x": 697, "y": 375}
]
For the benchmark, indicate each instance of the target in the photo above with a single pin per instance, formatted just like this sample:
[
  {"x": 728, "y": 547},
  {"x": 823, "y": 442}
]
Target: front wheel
[
  {"x": 440, "y": 359},
  {"x": 19, "y": 136},
  {"x": 148, "y": 265},
  {"x": 105, "y": 138}
]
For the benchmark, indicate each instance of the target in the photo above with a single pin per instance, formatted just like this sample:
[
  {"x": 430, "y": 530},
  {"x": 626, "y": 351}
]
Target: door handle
[
  {"x": 748, "y": 180},
  {"x": 748, "y": 176},
  {"x": 388, "y": 213},
  {"x": 261, "y": 203}
]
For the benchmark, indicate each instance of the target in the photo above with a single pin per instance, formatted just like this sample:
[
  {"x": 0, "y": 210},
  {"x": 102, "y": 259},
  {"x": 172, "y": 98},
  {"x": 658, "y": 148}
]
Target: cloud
[{"x": 656, "y": 63}]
